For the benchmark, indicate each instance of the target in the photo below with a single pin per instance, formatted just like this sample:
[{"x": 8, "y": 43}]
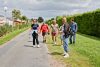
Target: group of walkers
[{"x": 67, "y": 33}]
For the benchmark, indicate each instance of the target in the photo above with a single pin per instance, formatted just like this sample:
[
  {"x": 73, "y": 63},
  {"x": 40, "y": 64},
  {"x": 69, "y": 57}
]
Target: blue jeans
[
  {"x": 65, "y": 44},
  {"x": 72, "y": 38}
]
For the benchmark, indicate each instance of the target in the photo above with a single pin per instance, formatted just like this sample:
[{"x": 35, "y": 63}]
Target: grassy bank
[
  {"x": 85, "y": 53},
  {"x": 11, "y": 35}
]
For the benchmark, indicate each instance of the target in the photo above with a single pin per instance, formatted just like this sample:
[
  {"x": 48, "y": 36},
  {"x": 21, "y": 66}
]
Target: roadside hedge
[{"x": 88, "y": 23}]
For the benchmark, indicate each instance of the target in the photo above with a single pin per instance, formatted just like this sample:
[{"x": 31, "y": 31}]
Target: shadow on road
[
  {"x": 28, "y": 46},
  {"x": 29, "y": 41}
]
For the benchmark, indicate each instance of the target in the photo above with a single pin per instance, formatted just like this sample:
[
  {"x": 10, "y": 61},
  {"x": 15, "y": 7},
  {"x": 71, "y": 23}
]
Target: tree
[
  {"x": 40, "y": 19},
  {"x": 16, "y": 14},
  {"x": 24, "y": 18}
]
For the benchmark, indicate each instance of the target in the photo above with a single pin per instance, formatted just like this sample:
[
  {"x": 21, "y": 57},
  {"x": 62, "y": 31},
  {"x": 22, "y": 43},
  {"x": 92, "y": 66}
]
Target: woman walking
[{"x": 35, "y": 30}]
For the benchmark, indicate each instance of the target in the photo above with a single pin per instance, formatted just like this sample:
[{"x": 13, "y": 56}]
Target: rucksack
[{"x": 66, "y": 30}]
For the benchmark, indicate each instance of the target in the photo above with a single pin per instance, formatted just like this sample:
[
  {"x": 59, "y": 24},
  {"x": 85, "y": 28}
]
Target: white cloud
[{"x": 49, "y": 8}]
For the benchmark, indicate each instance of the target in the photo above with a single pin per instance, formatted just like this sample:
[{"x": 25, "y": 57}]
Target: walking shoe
[
  {"x": 45, "y": 41},
  {"x": 55, "y": 43},
  {"x": 38, "y": 46},
  {"x": 34, "y": 46},
  {"x": 63, "y": 54},
  {"x": 66, "y": 55},
  {"x": 73, "y": 42}
]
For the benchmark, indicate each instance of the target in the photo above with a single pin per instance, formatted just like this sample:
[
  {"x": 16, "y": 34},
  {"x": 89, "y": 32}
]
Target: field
[{"x": 85, "y": 53}]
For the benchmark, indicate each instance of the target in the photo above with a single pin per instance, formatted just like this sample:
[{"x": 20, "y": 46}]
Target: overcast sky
[{"x": 49, "y": 8}]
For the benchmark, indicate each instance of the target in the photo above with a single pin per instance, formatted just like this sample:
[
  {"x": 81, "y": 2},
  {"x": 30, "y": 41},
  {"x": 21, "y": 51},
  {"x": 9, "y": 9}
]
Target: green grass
[
  {"x": 85, "y": 53},
  {"x": 11, "y": 35}
]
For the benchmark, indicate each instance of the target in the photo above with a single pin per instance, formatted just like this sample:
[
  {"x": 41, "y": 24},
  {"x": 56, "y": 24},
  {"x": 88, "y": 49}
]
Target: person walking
[
  {"x": 65, "y": 35},
  {"x": 35, "y": 30},
  {"x": 45, "y": 30},
  {"x": 54, "y": 31},
  {"x": 73, "y": 30}
]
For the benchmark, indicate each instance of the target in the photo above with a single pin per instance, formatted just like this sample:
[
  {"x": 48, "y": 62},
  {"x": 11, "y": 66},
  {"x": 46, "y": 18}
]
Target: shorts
[
  {"x": 44, "y": 33},
  {"x": 53, "y": 33}
]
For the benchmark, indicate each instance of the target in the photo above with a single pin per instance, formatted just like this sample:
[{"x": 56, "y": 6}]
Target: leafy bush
[
  {"x": 8, "y": 28},
  {"x": 88, "y": 23}
]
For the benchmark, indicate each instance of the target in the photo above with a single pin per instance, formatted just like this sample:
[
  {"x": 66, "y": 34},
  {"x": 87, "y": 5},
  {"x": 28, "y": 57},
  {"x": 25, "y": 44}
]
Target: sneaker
[
  {"x": 73, "y": 42},
  {"x": 43, "y": 41},
  {"x": 66, "y": 55},
  {"x": 34, "y": 46},
  {"x": 55, "y": 43},
  {"x": 63, "y": 54},
  {"x": 38, "y": 46}
]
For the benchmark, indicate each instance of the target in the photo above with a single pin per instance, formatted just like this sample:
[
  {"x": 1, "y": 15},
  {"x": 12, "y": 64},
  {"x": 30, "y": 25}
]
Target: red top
[{"x": 44, "y": 28}]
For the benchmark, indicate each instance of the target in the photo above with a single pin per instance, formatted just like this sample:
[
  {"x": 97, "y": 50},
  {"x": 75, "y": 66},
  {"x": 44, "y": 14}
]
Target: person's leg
[
  {"x": 74, "y": 38},
  {"x": 45, "y": 36},
  {"x": 33, "y": 39},
  {"x": 61, "y": 37},
  {"x": 52, "y": 36},
  {"x": 65, "y": 45},
  {"x": 55, "y": 39},
  {"x": 37, "y": 41},
  {"x": 70, "y": 39}
]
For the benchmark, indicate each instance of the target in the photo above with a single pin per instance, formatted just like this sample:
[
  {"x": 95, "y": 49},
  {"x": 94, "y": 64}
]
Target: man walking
[
  {"x": 65, "y": 35},
  {"x": 73, "y": 30}
]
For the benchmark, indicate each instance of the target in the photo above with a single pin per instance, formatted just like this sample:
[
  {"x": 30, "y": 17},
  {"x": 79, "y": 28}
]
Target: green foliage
[
  {"x": 8, "y": 28},
  {"x": 85, "y": 53},
  {"x": 59, "y": 20},
  {"x": 11, "y": 35},
  {"x": 88, "y": 23},
  {"x": 5, "y": 29},
  {"x": 16, "y": 14},
  {"x": 24, "y": 18}
]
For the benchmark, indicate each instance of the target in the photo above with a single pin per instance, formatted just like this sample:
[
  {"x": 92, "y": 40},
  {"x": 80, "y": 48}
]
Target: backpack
[{"x": 66, "y": 30}]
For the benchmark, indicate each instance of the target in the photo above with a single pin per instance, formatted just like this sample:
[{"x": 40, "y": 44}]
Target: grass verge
[
  {"x": 85, "y": 53},
  {"x": 11, "y": 35}
]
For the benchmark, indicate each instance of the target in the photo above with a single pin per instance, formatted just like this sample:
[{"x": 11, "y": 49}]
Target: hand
[{"x": 48, "y": 33}]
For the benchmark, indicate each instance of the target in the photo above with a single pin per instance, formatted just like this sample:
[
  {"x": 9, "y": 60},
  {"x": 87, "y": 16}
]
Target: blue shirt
[
  {"x": 34, "y": 27},
  {"x": 73, "y": 26}
]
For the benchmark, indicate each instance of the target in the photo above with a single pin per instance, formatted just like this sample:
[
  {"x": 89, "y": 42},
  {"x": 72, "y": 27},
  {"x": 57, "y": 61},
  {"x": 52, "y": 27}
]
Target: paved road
[{"x": 19, "y": 53}]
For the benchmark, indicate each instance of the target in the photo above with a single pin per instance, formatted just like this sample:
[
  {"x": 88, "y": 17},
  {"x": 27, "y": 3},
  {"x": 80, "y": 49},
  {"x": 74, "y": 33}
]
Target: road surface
[{"x": 19, "y": 53}]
